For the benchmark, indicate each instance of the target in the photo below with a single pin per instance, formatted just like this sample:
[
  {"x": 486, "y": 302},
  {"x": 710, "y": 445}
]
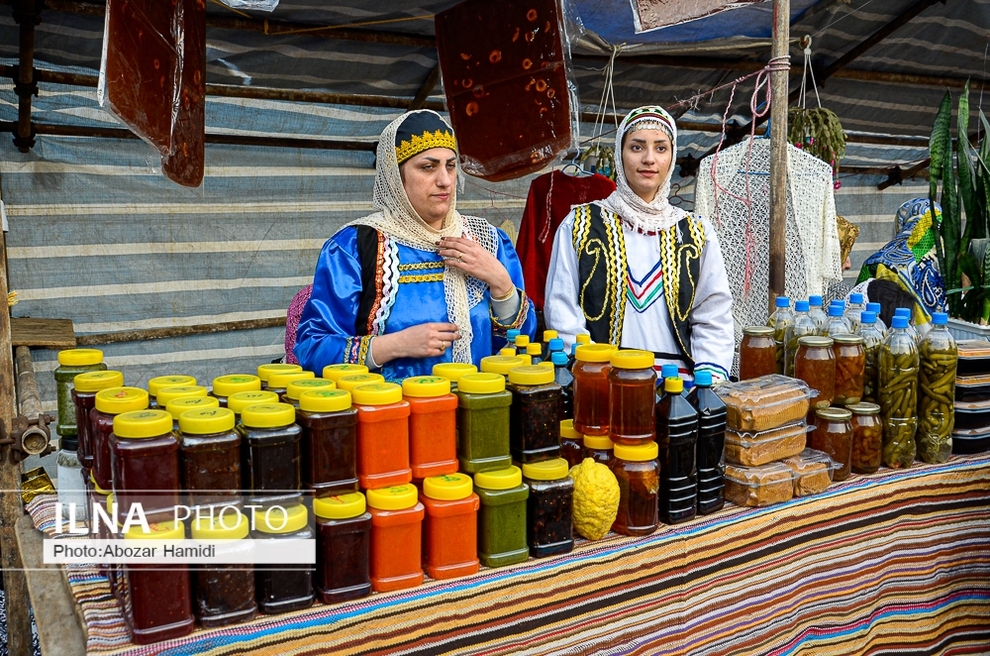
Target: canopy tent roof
[{"x": 882, "y": 67}]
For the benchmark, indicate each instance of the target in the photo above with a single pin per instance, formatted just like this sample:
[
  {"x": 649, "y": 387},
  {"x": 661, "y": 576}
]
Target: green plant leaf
[
  {"x": 975, "y": 224},
  {"x": 940, "y": 144}
]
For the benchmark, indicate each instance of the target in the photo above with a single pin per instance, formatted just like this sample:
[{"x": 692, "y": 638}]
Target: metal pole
[{"x": 778, "y": 147}]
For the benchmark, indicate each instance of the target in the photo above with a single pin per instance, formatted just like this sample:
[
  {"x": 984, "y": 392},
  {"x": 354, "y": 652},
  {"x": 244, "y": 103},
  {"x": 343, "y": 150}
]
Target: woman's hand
[
  {"x": 471, "y": 257},
  {"x": 425, "y": 340}
]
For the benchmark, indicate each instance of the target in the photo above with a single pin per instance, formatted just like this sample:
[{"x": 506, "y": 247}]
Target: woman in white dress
[{"x": 636, "y": 272}]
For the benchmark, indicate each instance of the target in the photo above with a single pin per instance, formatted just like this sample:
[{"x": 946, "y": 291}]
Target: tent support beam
[
  {"x": 419, "y": 102},
  {"x": 778, "y": 148},
  {"x": 177, "y": 331},
  {"x": 26, "y": 15}
]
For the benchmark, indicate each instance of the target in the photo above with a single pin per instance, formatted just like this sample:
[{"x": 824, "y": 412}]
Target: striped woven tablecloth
[{"x": 895, "y": 563}]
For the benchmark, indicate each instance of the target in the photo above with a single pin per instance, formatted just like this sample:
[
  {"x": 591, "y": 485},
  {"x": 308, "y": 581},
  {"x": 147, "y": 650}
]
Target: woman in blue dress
[{"x": 416, "y": 283}]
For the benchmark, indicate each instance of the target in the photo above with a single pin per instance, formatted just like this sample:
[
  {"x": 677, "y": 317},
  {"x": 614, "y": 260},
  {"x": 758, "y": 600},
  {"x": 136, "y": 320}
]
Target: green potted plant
[{"x": 959, "y": 180}]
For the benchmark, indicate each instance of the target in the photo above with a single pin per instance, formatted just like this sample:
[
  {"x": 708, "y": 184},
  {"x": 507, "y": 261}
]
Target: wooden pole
[
  {"x": 778, "y": 147},
  {"x": 11, "y": 507},
  {"x": 25, "y": 14}
]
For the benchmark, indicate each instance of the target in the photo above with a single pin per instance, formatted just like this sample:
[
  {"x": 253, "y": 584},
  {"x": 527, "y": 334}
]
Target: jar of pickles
[
  {"x": 71, "y": 363},
  {"x": 867, "y": 437},
  {"x": 898, "y": 392},
  {"x": 501, "y": 517},
  {"x": 815, "y": 365},
  {"x": 84, "y": 389},
  {"x": 592, "y": 409},
  {"x": 571, "y": 443},
  {"x": 599, "y": 448},
  {"x": 343, "y": 547},
  {"x": 210, "y": 456},
  {"x": 872, "y": 336},
  {"x": 757, "y": 352},
  {"x": 145, "y": 457},
  {"x": 224, "y": 594},
  {"x": 159, "y": 382},
  {"x": 157, "y": 599},
  {"x": 281, "y": 588},
  {"x": 266, "y": 370},
  {"x": 109, "y": 403},
  {"x": 637, "y": 470},
  {"x": 632, "y": 390},
  {"x": 549, "y": 509},
  {"x": 833, "y": 434},
  {"x": 224, "y": 386},
  {"x": 270, "y": 453},
  {"x": 939, "y": 359},
  {"x": 534, "y": 426},
  {"x": 299, "y": 385},
  {"x": 850, "y": 367},
  {"x": 329, "y": 441}
]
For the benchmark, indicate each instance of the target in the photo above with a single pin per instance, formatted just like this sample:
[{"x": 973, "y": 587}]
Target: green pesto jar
[
  {"x": 72, "y": 362},
  {"x": 501, "y": 517},
  {"x": 483, "y": 423}
]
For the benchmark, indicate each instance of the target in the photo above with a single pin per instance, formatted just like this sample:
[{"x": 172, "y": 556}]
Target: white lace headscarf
[
  {"x": 397, "y": 218},
  {"x": 658, "y": 214}
]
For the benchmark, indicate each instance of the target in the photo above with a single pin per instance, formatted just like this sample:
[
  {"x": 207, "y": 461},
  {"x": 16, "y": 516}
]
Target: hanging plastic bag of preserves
[
  {"x": 505, "y": 77},
  {"x": 152, "y": 78}
]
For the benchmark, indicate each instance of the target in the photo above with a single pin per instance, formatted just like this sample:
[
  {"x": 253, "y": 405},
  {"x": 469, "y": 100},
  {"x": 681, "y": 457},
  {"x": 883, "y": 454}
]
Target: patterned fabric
[
  {"x": 910, "y": 258},
  {"x": 893, "y": 563},
  {"x": 292, "y": 316}
]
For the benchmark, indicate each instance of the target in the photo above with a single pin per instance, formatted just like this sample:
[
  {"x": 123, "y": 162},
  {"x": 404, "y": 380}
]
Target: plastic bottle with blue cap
[
  {"x": 898, "y": 394},
  {"x": 802, "y": 326},
  {"x": 837, "y": 322},
  {"x": 711, "y": 442},
  {"x": 872, "y": 339},
  {"x": 781, "y": 318},
  {"x": 876, "y": 308},
  {"x": 818, "y": 315},
  {"x": 854, "y": 308},
  {"x": 939, "y": 359}
]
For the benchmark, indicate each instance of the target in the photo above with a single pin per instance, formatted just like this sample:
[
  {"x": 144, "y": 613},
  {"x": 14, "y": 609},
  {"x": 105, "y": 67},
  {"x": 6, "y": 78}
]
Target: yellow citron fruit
[{"x": 596, "y": 499}]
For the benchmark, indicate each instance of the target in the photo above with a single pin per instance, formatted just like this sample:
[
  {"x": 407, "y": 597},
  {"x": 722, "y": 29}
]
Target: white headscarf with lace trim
[
  {"x": 397, "y": 218},
  {"x": 658, "y": 214}
]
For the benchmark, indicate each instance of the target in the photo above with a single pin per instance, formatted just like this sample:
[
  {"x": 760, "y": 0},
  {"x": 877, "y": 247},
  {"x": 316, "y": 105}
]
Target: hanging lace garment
[{"x": 736, "y": 196}]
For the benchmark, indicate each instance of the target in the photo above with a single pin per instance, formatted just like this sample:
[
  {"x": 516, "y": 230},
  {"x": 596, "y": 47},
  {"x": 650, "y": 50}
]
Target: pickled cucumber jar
[
  {"x": 867, "y": 437},
  {"x": 815, "y": 365},
  {"x": 898, "y": 391},
  {"x": 757, "y": 352},
  {"x": 872, "y": 336},
  {"x": 939, "y": 358},
  {"x": 781, "y": 318},
  {"x": 833, "y": 435},
  {"x": 850, "y": 366}
]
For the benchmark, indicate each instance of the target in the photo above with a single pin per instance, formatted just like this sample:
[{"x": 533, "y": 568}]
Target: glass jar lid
[
  {"x": 834, "y": 414},
  {"x": 847, "y": 338},
  {"x": 863, "y": 408},
  {"x": 815, "y": 341},
  {"x": 758, "y": 331}
]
